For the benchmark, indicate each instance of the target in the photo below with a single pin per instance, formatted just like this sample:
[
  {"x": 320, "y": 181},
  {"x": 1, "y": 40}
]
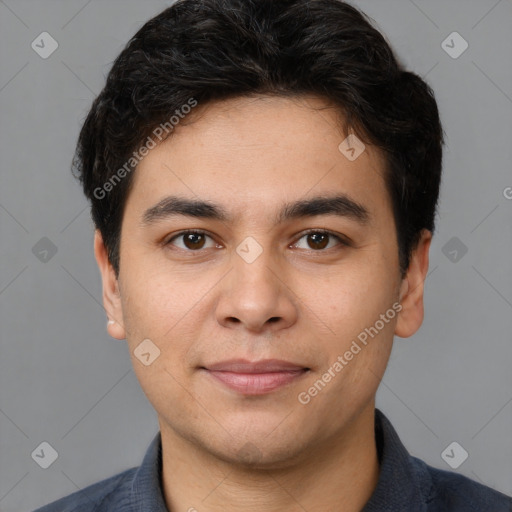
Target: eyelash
[{"x": 341, "y": 241}]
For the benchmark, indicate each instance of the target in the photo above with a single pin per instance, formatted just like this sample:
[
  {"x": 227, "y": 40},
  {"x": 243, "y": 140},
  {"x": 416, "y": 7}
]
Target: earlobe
[
  {"x": 111, "y": 295},
  {"x": 116, "y": 330},
  {"x": 410, "y": 317}
]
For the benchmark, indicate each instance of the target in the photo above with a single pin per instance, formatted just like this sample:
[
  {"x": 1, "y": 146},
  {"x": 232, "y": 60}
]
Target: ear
[
  {"x": 111, "y": 295},
  {"x": 410, "y": 317}
]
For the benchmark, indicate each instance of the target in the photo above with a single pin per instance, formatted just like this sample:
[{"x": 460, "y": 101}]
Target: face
[{"x": 249, "y": 237}]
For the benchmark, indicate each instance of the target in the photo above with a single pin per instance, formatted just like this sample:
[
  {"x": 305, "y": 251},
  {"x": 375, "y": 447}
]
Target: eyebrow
[{"x": 340, "y": 205}]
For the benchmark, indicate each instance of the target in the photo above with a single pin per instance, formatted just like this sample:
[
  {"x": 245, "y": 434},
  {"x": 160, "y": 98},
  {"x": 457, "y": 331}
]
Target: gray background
[{"x": 64, "y": 381}]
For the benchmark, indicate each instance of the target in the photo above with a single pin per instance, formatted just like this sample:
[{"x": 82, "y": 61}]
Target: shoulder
[
  {"x": 106, "y": 495},
  {"x": 455, "y": 492}
]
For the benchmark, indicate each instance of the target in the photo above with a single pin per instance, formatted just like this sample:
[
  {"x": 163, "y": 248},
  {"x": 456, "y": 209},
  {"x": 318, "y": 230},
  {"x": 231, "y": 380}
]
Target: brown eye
[
  {"x": 192, "y": 241},
  {"x": 319, "y": 240}
]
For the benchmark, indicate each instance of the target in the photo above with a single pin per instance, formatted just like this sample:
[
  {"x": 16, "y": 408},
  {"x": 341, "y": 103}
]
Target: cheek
[
  {"x": 158, "y": 310},
  {"x": 349, "y": 298},
  {"x": 171, "y": 309},
  {"x": 157, "y": 302},
  {"x": 356, "y": 304}
]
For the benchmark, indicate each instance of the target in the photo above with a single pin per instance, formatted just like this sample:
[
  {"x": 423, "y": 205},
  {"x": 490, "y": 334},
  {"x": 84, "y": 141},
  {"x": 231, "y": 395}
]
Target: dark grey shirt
[{"x": 405, "y": 484}]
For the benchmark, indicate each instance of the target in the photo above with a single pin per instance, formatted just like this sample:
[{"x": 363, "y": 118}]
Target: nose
[{"x": 255, "y": 297}]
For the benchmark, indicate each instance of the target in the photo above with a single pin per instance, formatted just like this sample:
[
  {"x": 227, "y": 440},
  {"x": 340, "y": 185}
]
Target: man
[{"x": 264, "y": 178}]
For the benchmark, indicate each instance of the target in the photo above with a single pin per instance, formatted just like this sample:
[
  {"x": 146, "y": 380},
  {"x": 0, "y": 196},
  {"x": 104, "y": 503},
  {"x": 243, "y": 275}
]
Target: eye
[
  {"x": 318, "y": 240},
  {"x": 192, "y": 241}
]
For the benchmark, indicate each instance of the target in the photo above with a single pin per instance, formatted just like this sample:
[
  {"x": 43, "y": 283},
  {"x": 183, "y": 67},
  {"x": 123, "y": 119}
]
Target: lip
[
  {"x": 255, "y": 378},
  {"x": 246, "y": 366}
]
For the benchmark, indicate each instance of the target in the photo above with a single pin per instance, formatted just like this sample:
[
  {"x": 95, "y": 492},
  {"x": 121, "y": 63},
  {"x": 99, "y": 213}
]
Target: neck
[{"x": 341, "y": 473}]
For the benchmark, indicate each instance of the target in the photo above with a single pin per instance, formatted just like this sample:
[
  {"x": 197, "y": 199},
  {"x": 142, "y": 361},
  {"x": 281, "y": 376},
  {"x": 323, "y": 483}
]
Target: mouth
[{"x": 255, "y": 378}]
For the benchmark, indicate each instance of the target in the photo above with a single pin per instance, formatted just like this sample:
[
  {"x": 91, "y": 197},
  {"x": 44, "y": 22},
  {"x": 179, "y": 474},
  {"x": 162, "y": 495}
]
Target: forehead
[{"x": 260, "y": 151}]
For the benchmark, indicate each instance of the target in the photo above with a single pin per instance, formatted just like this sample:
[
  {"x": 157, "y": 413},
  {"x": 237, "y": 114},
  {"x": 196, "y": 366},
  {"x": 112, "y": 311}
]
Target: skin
[{"x": 223, "y": 450}]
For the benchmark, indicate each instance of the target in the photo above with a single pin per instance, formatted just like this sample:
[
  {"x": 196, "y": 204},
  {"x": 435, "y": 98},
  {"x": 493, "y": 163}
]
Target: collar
[
  {"x": 402, "y": 484},
  {"x": 147, "y": 486}
]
